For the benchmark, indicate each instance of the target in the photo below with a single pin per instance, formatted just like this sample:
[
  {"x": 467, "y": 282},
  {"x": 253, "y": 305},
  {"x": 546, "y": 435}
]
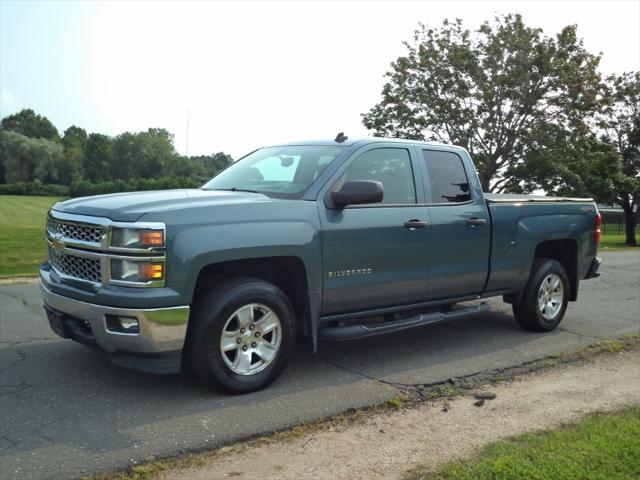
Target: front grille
[
  {"x": 74, "y": 231},
  {"x": 75, "y": 266}
]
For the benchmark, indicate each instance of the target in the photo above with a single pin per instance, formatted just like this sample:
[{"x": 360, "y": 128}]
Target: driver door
[{"x": 372, "y": 256}]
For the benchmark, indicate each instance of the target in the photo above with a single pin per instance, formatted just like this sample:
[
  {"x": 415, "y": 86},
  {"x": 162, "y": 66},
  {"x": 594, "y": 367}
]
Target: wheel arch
[
  {"x": 566, "y": 253},
  {"x": 288, "y": 273}
]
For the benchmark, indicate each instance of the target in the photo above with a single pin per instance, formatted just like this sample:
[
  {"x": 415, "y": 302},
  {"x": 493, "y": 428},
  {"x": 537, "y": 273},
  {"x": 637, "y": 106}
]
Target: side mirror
[{"x": 357, "y": 192}]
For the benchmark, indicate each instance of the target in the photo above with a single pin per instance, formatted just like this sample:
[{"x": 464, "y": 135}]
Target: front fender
[{"x": 239, "y": 232}]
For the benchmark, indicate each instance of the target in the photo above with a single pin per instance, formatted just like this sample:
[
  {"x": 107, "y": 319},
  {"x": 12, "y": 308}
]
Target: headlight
[
  {"x": 137, "y": 238},
  {"x": 139, "y": 271}
]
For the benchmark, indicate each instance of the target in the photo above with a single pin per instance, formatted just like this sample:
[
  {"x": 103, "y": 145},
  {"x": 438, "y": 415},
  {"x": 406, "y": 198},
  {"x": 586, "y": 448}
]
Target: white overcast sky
[{"x": 249, "y": 73}]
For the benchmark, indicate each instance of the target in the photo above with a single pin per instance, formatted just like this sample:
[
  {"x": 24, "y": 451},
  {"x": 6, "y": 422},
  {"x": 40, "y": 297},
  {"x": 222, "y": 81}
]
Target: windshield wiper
[{"x": 234, "y": 189}]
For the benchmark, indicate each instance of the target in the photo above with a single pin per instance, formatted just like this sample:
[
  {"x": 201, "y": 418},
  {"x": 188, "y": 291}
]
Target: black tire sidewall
[{"x": 211, "y": 314}]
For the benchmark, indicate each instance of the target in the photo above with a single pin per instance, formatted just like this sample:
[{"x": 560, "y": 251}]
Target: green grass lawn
[
  {"x": 604, "y": 446},
  {"x": 615, "y": 240},
  {"x": 22, "y": 245}
]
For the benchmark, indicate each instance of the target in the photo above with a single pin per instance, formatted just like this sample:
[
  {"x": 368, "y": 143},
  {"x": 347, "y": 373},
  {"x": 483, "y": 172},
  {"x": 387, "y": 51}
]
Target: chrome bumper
[{"x": 161, "y": 329}]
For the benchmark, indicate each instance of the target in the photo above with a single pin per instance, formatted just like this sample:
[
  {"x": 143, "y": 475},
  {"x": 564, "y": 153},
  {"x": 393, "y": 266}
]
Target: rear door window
[{"x": 447, "y": 178}]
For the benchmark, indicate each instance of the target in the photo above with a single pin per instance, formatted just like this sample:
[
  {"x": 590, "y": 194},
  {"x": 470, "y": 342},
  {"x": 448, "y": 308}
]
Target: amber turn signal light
[
  {"x": 152, "y": 238},
  {"x": 151, "y": 271}
]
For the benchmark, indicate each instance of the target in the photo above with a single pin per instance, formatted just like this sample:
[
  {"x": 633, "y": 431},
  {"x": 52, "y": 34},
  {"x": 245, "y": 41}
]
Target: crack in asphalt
[
  {"x": 21, "y": 357},
  {"x": 12, "y": 343},
  {"x": 581, "y": 335},
  {"x": 349, "y": 370},
  {"x": 35, "y": 308}
]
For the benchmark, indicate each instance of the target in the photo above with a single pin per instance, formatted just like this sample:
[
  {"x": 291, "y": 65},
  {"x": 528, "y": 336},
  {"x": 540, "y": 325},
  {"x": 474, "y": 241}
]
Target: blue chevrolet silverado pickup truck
[{"x": 334, "y": 239}]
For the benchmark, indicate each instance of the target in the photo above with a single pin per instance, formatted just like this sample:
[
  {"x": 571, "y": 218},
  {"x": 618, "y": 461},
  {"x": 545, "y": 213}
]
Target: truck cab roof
[{"x": 361, "y": 141}]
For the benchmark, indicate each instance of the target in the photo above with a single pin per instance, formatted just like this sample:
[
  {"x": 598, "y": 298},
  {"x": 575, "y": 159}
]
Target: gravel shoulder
[{"x": 386, "y": 445}]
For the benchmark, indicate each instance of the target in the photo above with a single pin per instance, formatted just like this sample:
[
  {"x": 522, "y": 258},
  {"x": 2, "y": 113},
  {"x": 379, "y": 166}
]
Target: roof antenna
[{"x": 341, "y": 137}]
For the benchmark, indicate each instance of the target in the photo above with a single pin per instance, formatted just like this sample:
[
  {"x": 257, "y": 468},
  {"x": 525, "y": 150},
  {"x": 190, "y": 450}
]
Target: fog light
[{"x": 118, "y": 324}]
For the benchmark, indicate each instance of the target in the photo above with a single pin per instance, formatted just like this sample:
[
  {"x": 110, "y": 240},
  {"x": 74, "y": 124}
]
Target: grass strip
[
  {"x": 22, "y": 243},
  {"x": 601, "y": 446}
]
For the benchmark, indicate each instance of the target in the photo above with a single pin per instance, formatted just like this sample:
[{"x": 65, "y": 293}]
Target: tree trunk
[{"x": 630, "y": 224}]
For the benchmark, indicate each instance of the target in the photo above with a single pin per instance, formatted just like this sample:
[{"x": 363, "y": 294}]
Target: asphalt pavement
[{"x": 66, "y": 412}]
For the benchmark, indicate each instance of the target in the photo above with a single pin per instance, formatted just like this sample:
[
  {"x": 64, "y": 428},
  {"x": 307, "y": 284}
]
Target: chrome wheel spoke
[
  {"x": 242, "y": 362},
  {"x": 245, "y": 315},
  {"x": 266, "y": 351},
  {"x": 229, "y": 341},
  {"x": 557, "y": 298},
  {"x": 268, "y": 323}
]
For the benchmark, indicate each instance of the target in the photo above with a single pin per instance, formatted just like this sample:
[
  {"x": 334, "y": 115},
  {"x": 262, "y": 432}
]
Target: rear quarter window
[{"x": 447, "y": 178}]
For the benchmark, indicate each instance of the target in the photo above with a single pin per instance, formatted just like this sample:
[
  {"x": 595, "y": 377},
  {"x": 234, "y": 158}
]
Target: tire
[
  {"x": 230, "y": 346},
  {"x": 542, "y": 307}
]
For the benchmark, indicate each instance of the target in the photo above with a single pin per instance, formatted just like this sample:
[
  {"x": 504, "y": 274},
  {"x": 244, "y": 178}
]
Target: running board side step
[{"x": 362, "y": 330}]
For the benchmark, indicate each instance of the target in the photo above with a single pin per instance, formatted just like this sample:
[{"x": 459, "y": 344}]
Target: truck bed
[{"x": 519, "y": 223}]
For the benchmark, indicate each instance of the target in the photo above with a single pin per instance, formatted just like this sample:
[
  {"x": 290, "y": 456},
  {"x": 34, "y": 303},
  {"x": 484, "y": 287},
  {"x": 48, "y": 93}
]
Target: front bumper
[{"x": 156, "y": 348}]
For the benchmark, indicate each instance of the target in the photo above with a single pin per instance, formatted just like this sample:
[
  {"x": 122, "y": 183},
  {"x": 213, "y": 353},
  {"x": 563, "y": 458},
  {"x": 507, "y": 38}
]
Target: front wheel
[
  {"x": 243, "y": 335},
  {"x": 545, "y": 297}
]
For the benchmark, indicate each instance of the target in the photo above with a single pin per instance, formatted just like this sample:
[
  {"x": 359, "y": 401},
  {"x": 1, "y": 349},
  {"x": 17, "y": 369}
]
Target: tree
[
  {"x": 571, "y": 164},
  {"x": 156, "y": 153},
  {"x": 28, "y": 159},
  {"x": 126, "y": 151},
  {"x": 489, "y": 92},
  {"x": 28, "y": 123},
  {"x": 143, "y": 154},
  {"x": 620, "y": 125},
  {"x": 74, "y": 137},
  {"x": 97, "y": 158},
  {"x": 219, "y": 161}
]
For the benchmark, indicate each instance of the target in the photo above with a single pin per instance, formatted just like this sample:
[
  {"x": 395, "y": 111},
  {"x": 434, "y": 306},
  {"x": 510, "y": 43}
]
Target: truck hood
[{"x": 130, "y": 206}]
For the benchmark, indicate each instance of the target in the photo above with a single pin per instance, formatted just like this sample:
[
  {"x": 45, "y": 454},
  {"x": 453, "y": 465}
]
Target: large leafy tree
[
  {"x": 27, "y": 159},
  {"x": 619, "y": 122},
  {"x": 28, "y": 123},
  {"x": 143, "y": 154},
  {"x": 74, "y": 141},
  {"x": 157, "y": 152},
  {"x": 74, "y": 137},
  {"x": 489, "y": 91},
  {"x": 126, "y": 151},
  {"x": 569, "y": 163},
  {"x": 97, "y": 158}
]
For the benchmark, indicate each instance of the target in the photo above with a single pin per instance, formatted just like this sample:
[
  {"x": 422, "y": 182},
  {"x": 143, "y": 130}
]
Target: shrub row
[
  {"x": 34, "y": 188},
  {"x": 83, "y": 188}
]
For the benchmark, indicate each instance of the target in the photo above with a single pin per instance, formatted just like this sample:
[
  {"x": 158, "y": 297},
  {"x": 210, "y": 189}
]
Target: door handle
[
  {"x": 413, "y": 224},
  {"x": 476, "y": 221}
]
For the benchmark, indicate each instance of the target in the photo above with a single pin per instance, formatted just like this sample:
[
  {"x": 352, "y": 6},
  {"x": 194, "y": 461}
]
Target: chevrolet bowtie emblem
[{"x": 57, "y": 244}]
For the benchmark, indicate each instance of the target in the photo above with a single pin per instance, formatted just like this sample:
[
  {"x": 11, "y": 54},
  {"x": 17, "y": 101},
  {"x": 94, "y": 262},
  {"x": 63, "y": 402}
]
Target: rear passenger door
[
  {"x": 372, "y": 256},
  {"x": 460, "y": 225}
]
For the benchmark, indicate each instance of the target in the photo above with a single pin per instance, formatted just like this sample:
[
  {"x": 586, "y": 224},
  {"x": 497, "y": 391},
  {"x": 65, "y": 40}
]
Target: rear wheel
[
  {"x": 545, "y": 297},
  {"x": 243, "y": 335}
]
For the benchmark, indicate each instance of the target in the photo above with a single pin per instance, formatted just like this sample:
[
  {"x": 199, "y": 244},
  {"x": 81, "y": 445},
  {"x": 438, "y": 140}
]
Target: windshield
[{"x": 285, "y": 172}]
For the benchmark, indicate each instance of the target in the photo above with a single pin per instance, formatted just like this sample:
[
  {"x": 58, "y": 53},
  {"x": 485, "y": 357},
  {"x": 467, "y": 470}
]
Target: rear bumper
[
  {"x": 593, "y": 268},
  {"x": 155, "y": 348}
]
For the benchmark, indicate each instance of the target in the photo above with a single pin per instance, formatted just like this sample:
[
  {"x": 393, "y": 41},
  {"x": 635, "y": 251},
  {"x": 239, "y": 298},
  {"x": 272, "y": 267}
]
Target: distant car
[{"x": 335, "y": 239}]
